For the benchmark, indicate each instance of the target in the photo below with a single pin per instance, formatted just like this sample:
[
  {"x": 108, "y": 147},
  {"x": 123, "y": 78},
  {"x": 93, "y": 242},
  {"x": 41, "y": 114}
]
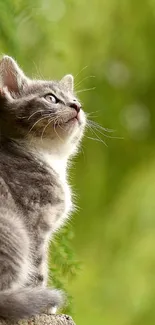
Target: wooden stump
[{"x": 43, "y": 320}]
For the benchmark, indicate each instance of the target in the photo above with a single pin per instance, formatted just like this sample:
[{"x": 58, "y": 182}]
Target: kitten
[{"x": 41, "y": 125}]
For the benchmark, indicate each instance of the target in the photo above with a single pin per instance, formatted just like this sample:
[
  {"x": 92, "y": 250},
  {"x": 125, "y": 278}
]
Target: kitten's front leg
[
  {"x": 41, "y": 274},
  {"x": 41, "y": 280}
]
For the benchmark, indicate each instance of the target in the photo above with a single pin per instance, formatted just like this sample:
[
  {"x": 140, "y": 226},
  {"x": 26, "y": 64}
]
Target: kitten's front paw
[{"x": 51, "y": 311}]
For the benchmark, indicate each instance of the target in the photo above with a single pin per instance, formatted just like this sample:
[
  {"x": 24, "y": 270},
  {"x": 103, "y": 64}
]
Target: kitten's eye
[{"x": 51, "y": 98}]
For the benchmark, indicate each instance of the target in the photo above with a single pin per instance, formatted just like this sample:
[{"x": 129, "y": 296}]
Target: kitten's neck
[
  {"x": 59, "y": 165},
  {"x": 49, "y": 155}
]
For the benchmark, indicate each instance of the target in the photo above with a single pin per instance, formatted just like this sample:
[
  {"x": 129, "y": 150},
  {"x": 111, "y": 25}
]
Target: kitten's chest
[
  {"x": 60, "y": 210},
  {"x": 54, "y": 215},
  {"x": 39, "y": 189},
  {"x": 51, "y": 213},
  {"x": 50, "y": 204}
]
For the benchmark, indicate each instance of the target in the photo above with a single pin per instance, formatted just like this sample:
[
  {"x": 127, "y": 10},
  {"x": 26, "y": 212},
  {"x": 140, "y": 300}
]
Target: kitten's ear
[
  {"x": 68, "y": 82},
  {"x": 11, "y": 76}
]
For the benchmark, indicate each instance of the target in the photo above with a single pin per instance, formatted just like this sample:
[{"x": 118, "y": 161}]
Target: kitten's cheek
[{"x": 82, "y": 118}]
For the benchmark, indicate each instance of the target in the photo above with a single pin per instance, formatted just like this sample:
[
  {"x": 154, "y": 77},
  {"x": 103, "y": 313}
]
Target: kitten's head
[{"x": 42, "y": 112}]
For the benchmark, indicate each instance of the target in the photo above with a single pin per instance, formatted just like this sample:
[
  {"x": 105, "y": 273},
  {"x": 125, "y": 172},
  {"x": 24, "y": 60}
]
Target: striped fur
[{"x": 35, "y": 198}]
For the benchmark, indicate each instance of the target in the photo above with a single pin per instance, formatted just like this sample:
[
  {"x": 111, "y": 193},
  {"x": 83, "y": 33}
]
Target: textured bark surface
[{"x": 43, "y": 320}]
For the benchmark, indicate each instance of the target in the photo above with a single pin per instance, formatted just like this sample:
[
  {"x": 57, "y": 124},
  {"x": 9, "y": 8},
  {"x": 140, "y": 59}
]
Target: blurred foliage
[
  {"x": 63, "y": 265},
  {"x": 115, "y": 185}
]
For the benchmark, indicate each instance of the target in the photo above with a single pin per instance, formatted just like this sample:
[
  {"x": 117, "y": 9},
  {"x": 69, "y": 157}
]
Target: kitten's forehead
[{"x": 42, "y": 87}]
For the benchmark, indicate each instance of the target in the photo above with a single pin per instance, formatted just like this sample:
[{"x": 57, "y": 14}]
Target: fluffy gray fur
[{"x": 41, "y": 125}]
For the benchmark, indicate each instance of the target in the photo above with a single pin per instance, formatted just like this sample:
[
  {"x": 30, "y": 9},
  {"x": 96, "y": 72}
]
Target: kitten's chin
[
  {"x": 68, "y": 135},
  {"x": 71, "y": 130},
  {"x": 63, "y": 140}
]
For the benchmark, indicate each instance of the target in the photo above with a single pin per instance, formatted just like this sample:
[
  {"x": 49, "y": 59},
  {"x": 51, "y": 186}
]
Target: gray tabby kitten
[{"x": 41, "y": 125}]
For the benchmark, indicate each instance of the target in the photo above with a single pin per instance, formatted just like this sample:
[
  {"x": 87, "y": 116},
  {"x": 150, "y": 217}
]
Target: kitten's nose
[{"x": 76, "y": 105}]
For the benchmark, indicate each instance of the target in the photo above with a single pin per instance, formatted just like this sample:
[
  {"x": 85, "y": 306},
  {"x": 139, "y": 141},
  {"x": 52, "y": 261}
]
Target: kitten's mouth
[{"x": 73, "y": 119}]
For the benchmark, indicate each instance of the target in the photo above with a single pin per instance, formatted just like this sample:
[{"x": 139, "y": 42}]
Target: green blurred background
[{"x": 115, "y": 184}]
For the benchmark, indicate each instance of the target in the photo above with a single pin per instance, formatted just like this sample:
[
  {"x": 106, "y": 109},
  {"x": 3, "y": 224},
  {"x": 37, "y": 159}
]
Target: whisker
[
  {"x": 96, "y": 139},
  {"x": 38, "y": 71},
  {"x": 45, "y": 128},
  {"x": 83, "y": 90},
  {"x": 81, "y": 71},
  {"x": 98, "y": 126},
  {"x": 51, "y": 120},
  {"x": 34, "y": 114},
  {"x": 58, "y": 122},
  {"x": 21, "y": 117},
  {"x": 36, "y": 123},
  {"x": 60, "y": 126},
  {"x": 99, "y": 139},
  {"x": 79, "y": 83},
  {"x": 62, "y": 113},
  {"x": 57, "y": 133},
  {"x": 109, "y": 136},
  {"x": 90, "y": 113},
  {"x": 83, "y": 153}
]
